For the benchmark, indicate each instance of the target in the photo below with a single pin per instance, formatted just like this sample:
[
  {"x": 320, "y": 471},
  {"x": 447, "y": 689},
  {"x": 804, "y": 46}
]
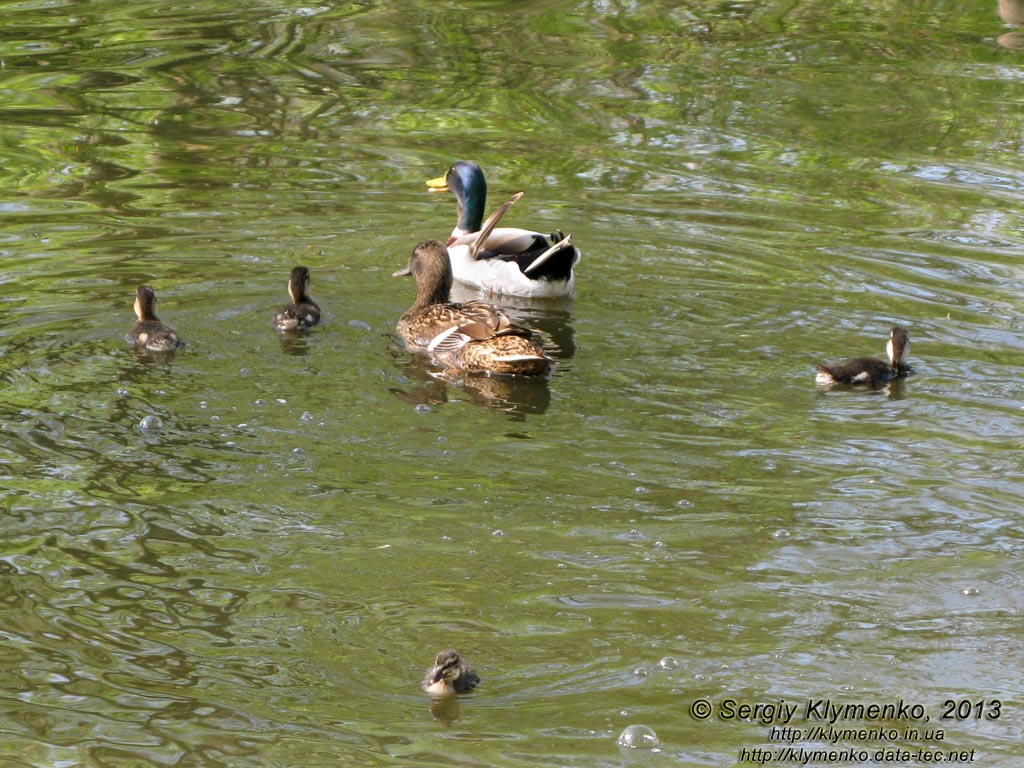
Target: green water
[{"x": 678, "y": 514}]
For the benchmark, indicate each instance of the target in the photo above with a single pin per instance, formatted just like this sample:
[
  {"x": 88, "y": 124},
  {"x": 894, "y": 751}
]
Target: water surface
[{"x": 678, "y": 513}]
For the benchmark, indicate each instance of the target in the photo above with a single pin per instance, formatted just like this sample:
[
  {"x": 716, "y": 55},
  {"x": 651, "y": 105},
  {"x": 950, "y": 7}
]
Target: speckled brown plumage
[{"x": 474, "y": 336}]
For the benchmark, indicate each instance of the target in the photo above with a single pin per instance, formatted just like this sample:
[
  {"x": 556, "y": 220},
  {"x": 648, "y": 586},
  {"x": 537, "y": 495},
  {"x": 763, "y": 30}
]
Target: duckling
[
  {"x": 870, "y": 370},
  {"x": 148, "y": 333},
  {"x": 450, "y": 675},
  {"x": 473, "y": 336},
  {"x": 304, "y": 313},
  {"x": 511, "y": 261}
]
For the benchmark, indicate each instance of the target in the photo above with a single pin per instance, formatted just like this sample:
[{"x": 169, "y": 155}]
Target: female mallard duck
[
  {"x": 304, "y": 313},
  {"x": 869, "y": 370},
  {"x": 515, "y": 262},
  {"x": 475, "y": 337},
  {"x": 148, "y": 333},
  {"x": 450, "y": 675}
]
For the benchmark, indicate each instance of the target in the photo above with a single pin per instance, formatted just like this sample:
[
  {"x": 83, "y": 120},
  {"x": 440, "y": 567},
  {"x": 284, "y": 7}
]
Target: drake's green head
[{"x": 466, "y": 181}]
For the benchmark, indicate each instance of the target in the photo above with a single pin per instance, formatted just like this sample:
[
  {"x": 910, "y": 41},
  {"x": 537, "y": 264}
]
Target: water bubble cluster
[{"x": 638, "y": 737}]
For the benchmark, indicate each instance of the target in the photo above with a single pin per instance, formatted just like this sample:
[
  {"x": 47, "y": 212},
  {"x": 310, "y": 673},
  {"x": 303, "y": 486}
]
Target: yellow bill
[{"x": 439, "y": 184}]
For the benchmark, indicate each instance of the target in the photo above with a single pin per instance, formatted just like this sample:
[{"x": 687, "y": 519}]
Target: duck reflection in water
[
  {"x": 295, "y": 344},
  {"x": 516, "y": 395},
  {"x": 1012, "y": 12}
]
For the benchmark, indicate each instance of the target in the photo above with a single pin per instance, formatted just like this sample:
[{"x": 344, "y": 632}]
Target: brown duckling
[
  {"x": 304, "y": 312},
  {"x": 871, "y": 371},
  {"x": 474, "y": 336},
  {"x": 450, "y": 675},
  {"x": 149, "y": 333}
]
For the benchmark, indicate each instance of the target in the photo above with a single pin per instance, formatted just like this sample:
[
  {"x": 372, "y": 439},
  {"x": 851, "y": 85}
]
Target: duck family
[{"x": 477, "y": 337}]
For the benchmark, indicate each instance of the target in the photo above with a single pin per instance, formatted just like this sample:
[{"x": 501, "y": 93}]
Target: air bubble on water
[
  {"x": 422, "y": 408},
  {"x": 970, "y": 591},
  {"x": 151, "y": 423},
  {"x": 121, "y": 392},
  {"x": 215, "y": 418},
  {"x": 203, "y": 404},
  {"x": 641, "y": 671},
  {"x": 782, "y": 535},
  {"x": 498, "y": 532},
  {"x": 259, "y": 401},
  {"x": 668, "y": 662},
  {"x": 306, "y": 416},
  {"x": 638, "y": 737}
]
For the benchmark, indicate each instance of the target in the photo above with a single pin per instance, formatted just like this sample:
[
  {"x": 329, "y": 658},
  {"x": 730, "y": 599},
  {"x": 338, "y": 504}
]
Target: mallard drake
[
  {"x": 473, "y": 336},
  {"x": 304, "y": 313},
  {"x": 450, "y": 675},
  {"x": 149, "y": 333},
  {"x": 869, "y": 370},
  {"x": 511, "y": 261}
]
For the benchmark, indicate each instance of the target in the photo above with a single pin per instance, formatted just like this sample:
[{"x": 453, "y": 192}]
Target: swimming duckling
[
  {"x": 869, "y": 370},
  {"x": 149, "y": 333},
  {"x": 304, "y": 313},
  {"x": 474, "y": 336},
  {"x": 450, "y": 675},
  {"x": 511, "y": 261}
]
